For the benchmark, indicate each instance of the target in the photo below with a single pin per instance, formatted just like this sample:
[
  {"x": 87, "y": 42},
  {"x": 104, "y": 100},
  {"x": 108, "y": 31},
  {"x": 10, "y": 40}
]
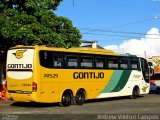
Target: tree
[{"x": 33, "y": 22}]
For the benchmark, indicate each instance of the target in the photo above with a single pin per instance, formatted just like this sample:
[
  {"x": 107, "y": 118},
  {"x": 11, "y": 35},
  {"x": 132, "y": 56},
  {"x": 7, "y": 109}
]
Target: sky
[{"x": 125, "y": 26}]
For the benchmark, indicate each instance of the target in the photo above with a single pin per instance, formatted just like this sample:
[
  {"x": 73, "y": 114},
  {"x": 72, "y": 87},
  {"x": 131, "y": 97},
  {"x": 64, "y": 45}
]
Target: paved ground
[{"x": 147, "y": 104}]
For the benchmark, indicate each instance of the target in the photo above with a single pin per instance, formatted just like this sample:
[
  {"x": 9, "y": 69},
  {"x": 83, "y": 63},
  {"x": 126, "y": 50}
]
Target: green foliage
[{"x": 33, "y": 22}]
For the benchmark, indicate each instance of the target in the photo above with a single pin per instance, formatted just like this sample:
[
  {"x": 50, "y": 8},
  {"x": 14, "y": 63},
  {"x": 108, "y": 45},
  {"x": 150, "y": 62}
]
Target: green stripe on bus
[
  {"x": 113, "y": 81},
  {"x": 123, "y": 80}
]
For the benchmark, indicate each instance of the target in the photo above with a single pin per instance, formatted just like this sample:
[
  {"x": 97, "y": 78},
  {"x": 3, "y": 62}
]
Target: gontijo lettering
[
  {"x": 88, "y": 75},
  {"x": 19, "y": 66}
]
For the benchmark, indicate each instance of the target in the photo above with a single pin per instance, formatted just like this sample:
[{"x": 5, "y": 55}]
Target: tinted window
[
  {"x": 113, "y": 62},
  {"x": 123, "y": 63},
  {"x": 135, "y": 64},
  {"x": 86, "y": 62},
  {"x": 99, "y": 62},
  {"x": 50, "y": 59},
  {"x": 46, "y": 59},
  {"x": 57, "y": 60},
  {"x": 72, "y": 61}
]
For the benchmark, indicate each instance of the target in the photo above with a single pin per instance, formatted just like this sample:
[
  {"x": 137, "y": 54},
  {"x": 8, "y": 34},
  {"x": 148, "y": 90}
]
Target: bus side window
[
  {"x": 135, "y": 64},
  {"x": 86, "y": 61},
  {"x": 46, "y": 59},
  {"x": 72, "y": 61},
  {"x": 113, "y": 62},
  {"x": 124, "y": 63},
  {"x": 58, "y": 60},
  {"x": 99, "y": 62}
]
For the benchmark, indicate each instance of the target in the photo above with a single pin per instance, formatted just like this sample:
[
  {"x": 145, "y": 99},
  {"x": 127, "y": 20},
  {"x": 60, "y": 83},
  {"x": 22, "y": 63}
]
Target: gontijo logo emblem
[{"x": 19, "y": 54}]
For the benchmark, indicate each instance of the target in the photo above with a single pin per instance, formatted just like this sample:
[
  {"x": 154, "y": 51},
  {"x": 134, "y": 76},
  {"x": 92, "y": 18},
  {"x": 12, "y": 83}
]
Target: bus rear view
[{"x": 19, "y": 74}]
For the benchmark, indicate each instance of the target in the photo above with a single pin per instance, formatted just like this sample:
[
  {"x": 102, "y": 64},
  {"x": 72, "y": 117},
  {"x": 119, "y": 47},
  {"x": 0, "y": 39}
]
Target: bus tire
[
  {"x": 80, "y": 97},
  {"x": 66, "y": 99},
  {"x": 135, "y": 93}
]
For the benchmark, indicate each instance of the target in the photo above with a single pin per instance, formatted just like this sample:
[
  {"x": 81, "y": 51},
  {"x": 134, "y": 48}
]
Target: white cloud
[{"x": 149, "y": 44}]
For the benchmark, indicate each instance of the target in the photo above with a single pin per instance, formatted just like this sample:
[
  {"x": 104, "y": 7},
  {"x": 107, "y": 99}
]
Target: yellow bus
[{"x": 58, "y": 75}]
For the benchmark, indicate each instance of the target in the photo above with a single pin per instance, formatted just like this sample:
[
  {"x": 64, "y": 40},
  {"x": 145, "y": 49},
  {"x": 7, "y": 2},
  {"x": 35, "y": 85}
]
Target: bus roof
[{"x": 73, "y": 50}]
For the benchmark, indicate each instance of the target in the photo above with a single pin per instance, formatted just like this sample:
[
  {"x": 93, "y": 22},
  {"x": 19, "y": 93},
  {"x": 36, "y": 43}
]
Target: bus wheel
[
  {"x": 135, "y": 93},
  {"x": 80, "y": 97},
  {"x": 66, "y": 99}
]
